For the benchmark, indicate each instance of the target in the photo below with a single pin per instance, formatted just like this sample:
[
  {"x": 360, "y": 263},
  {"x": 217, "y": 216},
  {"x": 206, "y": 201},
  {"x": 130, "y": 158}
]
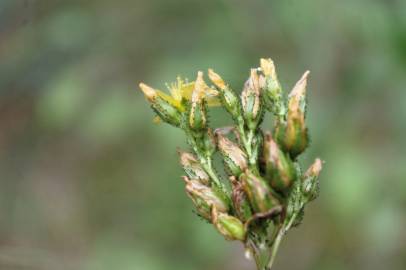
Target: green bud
[
  {"x": 230, "y": 227},
  {"x": 251, "y": 101},
  {"x": 279, "y": 169},
  {"x": 166, "y": 111},
  {"x": 310, "y": 183},
  {"x": 240, "y": 201},
  {"x": 227, "y": 96},
  {"x": 204, "y": 198},
  {"x": 292, "y": 135},
  {"x": 192, "y": 167},
  {"x": 234, "y": 158},
  {"x": 258, "y": 192},
  {"x": 272, "y": 88},
  {"x": 198, "y": 111}
]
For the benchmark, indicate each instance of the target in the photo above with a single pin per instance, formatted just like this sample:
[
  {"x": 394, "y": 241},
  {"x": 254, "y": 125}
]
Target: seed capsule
[
  {"x": 216, "y": 79},
  {"x": 272, "y": 88},
  {"x": 268, "y": 68},
  {"x": 258, "y": 192},
  {"x": 204, "y": 198},
  {"x": 227, "y": 96},
  {"x": 240, "y": 200},
  {"x": 234, "y": 157},
  {"x": 310, "y": 183},
  {"x": 192, "y": 167},
  {"x": 251, "y": 100},
  {"x": 198, "y": 111},
  {"x": 149, "y": 92},
  {"x": 230, "y": 227},
  {"x": 279, "y": 169},
  {"x": 166, "y": 111},
  {"x": 293, "y": 135}
]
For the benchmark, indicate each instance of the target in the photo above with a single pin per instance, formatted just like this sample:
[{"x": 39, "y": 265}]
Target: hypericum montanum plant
[{"x": 267, "y": 190}]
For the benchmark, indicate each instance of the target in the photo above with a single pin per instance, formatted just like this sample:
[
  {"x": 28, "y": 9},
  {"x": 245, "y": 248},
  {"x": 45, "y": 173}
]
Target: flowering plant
[{"x": 267, "y": 191}]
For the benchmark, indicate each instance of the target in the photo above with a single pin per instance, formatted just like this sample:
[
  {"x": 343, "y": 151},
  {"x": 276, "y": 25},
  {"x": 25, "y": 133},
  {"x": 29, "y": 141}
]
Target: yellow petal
[
  {"x": 186, "y": 90},
  {"x": 175, "y": 88},
  {"x": 213, "y": 102},
  {"x": 170, "y": 99},
  {"x": 183, "y": 90}
]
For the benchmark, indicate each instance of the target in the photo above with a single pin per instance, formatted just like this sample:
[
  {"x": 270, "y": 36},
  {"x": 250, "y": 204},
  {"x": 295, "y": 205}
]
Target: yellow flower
[{"x": 182, "y": 89}]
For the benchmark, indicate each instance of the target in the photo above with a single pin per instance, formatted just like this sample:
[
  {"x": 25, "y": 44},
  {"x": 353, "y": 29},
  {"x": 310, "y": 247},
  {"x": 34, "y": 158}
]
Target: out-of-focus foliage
[{"x": 88, "y": 182}]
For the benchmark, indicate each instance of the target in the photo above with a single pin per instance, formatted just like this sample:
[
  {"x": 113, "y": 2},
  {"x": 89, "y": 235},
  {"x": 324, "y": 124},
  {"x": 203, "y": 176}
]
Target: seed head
[
  {"x": 198, "y": 114},
  {"x": 240, "y": 200},
  {"x": 234, "y": 157},
  {"x": 192, "y": 167},
  {"x": 310, "y": 183},
  {"x": 258, "y": 192},
  {"x": 204, "y": 198},
  {"x": 251, "y": 100},
  {"x": 230, "y": 227},
  {"x": 293, "y": 135},
  {"x": 280, "y": 171},
  {"x": 227, "y": 96}
]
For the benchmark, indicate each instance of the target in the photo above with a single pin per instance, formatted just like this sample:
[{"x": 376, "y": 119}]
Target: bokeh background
[{"x": 88, "y": 182}]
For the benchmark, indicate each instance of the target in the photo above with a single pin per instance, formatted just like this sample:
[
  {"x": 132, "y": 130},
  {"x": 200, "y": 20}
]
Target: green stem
[
  {"x": 208, "y": 167},
  {"x": 281, "y": 233},
  {"x": 261, "y": 253},
  {"x": 205, "y": 160},
  {"x": 246, "y": 139},
  {"x": 275, "y": 247}
]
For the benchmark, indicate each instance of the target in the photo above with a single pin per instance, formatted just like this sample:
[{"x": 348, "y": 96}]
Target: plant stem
[
  {"x": 281, "y": 233},
  {"x": 208, "y": 167},
  {"x": 246, "y": 139}
]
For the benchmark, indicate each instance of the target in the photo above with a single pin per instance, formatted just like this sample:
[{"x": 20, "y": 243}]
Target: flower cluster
[{"x": 267, "y": 191}]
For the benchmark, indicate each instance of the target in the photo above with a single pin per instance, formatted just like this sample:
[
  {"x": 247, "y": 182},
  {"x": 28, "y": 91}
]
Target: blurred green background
[{"x": 88, "y": 182}]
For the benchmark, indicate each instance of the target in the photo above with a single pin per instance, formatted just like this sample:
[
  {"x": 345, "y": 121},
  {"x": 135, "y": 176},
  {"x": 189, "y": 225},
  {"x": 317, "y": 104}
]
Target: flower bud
[
  {"x": 272, "y": 83},
  {"x": 310, "y": 183},
  {"x": 258, "y": 192},
  {"x": 240, "y": 201},
  {"x": 279, "y": 169},
  {"x": 198, "y": 113},
  {"x": 251, "y": 100},
  {"x": 204, "y": 198},
  {"x": 166, "y": 111},
  {"x": 227, "y": 96},
  {"x": 230, "y": 227},
  {"x": 293, "y": 135},
  {"x": 297, "y": 97},
  {"x": 192, "y": 167},
  {"x": 216, "y": 79},
  {"x": 149, "y": 92},
  {"x": 234, "y": 158},
  {"x": 272, "y": 88}
]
